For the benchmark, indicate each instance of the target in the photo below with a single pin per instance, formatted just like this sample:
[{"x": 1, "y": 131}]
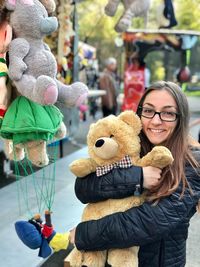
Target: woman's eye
[{"x": 146, "y": 110}]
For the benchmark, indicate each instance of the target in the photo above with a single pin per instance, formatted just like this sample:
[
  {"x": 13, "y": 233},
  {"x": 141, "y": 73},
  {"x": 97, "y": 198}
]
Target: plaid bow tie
[{"x": 123, "y": 163}]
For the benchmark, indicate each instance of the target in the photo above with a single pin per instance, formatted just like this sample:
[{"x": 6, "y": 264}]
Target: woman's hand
[
  {"x": 151, "y": 176},
  {"x": 72, "y": 235}
]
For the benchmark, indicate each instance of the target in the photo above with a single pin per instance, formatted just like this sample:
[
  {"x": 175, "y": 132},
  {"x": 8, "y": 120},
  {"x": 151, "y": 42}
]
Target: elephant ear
[
  {"x": 50, "y": 5},
  {"x": 11, "y": 4}
]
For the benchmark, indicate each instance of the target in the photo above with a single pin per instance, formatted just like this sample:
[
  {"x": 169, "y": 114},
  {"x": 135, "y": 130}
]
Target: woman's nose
[{"x": 156, "y": 119}]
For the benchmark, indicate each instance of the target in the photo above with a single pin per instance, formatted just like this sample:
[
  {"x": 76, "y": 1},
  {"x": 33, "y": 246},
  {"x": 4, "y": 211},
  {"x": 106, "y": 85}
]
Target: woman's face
[{"x": 157, "y": 130}]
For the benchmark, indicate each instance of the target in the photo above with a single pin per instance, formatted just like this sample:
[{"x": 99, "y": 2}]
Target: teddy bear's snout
[
  {"x": 99, "y": 143},
  {"x": 105, "y": 148}
]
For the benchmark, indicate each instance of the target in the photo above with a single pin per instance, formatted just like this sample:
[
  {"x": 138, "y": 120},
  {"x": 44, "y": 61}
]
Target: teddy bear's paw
[
  {"x": 111, "y": 8},
  {"x": 161, "y": 156},
  {"x": 81, "y": 167},
  {"x": 94, "y": 259},
  {"x": 123, "y": 257},
  {"x": 46, "y": 92},
  {"x": 12, "y": 152},
  {"x": 36, "y": 153},
  {"x": 75, "y": 258},
  {"x": 62, "y": 131}
]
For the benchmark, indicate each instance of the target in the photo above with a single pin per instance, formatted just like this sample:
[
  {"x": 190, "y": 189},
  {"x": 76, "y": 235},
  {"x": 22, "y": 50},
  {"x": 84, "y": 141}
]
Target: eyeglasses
[{"x": 163, "y": 115}]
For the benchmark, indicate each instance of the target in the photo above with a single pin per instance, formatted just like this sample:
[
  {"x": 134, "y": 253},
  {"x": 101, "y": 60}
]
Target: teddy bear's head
[
  {"x": 112, "y": 138},
  {"x": 29, "y": 18}
]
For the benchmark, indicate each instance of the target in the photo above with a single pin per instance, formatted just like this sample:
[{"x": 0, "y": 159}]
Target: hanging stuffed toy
[
  {"x": 132, "y": 8},
  {"x": 27, "y": 127},
  {"x": 169, "y": 15},
  {"x": 37, "y": 234},
  {"x": 5, "y": 38},
  {"x": 32, "y": 66}
]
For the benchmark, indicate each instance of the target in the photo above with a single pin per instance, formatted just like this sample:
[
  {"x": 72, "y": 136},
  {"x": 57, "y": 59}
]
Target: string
[{"x": 42, "y": 183}]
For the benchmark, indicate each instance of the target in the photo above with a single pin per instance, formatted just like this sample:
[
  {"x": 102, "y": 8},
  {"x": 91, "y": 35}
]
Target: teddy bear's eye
[{"x": 111, "y": 135}]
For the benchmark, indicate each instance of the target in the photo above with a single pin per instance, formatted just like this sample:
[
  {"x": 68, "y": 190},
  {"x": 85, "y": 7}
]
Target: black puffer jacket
[{"x": 160, "y": 230}]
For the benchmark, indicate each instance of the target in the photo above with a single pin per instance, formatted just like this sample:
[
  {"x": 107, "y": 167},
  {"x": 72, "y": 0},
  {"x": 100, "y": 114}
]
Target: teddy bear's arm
[
  {"x": 159, "y": 157},
  {"x": 82, "y": 167},
  {"x": 19, "y": 48}
]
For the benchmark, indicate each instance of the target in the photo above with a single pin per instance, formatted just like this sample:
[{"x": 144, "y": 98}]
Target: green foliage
[
  {"x": 97, "y": 29},
  {"x": 187, "y": 13}
]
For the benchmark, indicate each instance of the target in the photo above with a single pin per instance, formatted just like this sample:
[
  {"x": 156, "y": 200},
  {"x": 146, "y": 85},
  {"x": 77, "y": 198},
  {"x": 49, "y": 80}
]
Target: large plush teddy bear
[
  {"x": 113, "y": 142},
  {"x": 32, "y": 66},
  {"x": 132, "y": 8}
]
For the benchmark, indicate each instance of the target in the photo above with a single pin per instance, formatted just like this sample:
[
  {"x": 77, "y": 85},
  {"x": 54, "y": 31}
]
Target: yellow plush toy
[{"x": 113, "y": 142}]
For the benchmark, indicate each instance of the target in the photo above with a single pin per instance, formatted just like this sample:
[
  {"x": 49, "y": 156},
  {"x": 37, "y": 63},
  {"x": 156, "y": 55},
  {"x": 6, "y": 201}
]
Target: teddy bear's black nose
[{"x": 99, "y": 143}]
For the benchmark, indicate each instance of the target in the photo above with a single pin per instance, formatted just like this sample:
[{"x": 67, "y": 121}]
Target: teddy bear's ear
[{"x": 132, "y": 119}]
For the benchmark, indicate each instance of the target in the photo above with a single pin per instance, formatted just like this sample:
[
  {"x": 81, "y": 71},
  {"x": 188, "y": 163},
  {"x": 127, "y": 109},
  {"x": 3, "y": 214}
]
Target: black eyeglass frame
[{"x": 159, "y": 114}]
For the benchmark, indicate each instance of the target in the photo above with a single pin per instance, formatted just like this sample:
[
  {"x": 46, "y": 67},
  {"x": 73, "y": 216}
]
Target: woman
[{"x": 160, "y": 225}]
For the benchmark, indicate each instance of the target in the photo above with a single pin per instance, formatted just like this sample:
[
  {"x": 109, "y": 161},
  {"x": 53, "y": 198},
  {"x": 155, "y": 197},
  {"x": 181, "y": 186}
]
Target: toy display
[
  {"x": 113, "y": 142},
  {"x": 132, "y": 8},
  {"x": 32, "y": 66}
]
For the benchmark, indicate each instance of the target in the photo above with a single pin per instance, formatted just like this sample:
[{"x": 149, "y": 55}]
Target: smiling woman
[{"x": 165, "y": 117}]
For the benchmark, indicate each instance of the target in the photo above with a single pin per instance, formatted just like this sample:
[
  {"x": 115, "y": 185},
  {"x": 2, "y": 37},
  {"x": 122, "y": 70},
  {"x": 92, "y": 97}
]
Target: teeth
[{"x": 156, "y": 130}]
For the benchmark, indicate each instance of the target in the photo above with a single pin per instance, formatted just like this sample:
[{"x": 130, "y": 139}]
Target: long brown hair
[
  {"x": 179, "y": 143},
  {"x": 3, "y": 12}
]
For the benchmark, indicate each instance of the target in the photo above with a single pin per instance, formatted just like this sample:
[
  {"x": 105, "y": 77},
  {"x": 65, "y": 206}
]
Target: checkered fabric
[{"x": 124, "y": 163}]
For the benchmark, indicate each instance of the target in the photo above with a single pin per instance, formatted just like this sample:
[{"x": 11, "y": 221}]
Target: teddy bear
[
  {"x": 32, "y": 66},
  {"x": 132, "y": 8},
  {"x": 113, "y": 142}
]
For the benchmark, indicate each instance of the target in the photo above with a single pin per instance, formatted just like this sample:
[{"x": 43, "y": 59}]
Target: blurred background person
[{"x": 108, "y": 82}]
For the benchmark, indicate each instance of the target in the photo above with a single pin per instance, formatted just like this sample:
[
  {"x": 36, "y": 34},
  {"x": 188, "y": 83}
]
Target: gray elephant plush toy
[{"x": 33, "y": 67}]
